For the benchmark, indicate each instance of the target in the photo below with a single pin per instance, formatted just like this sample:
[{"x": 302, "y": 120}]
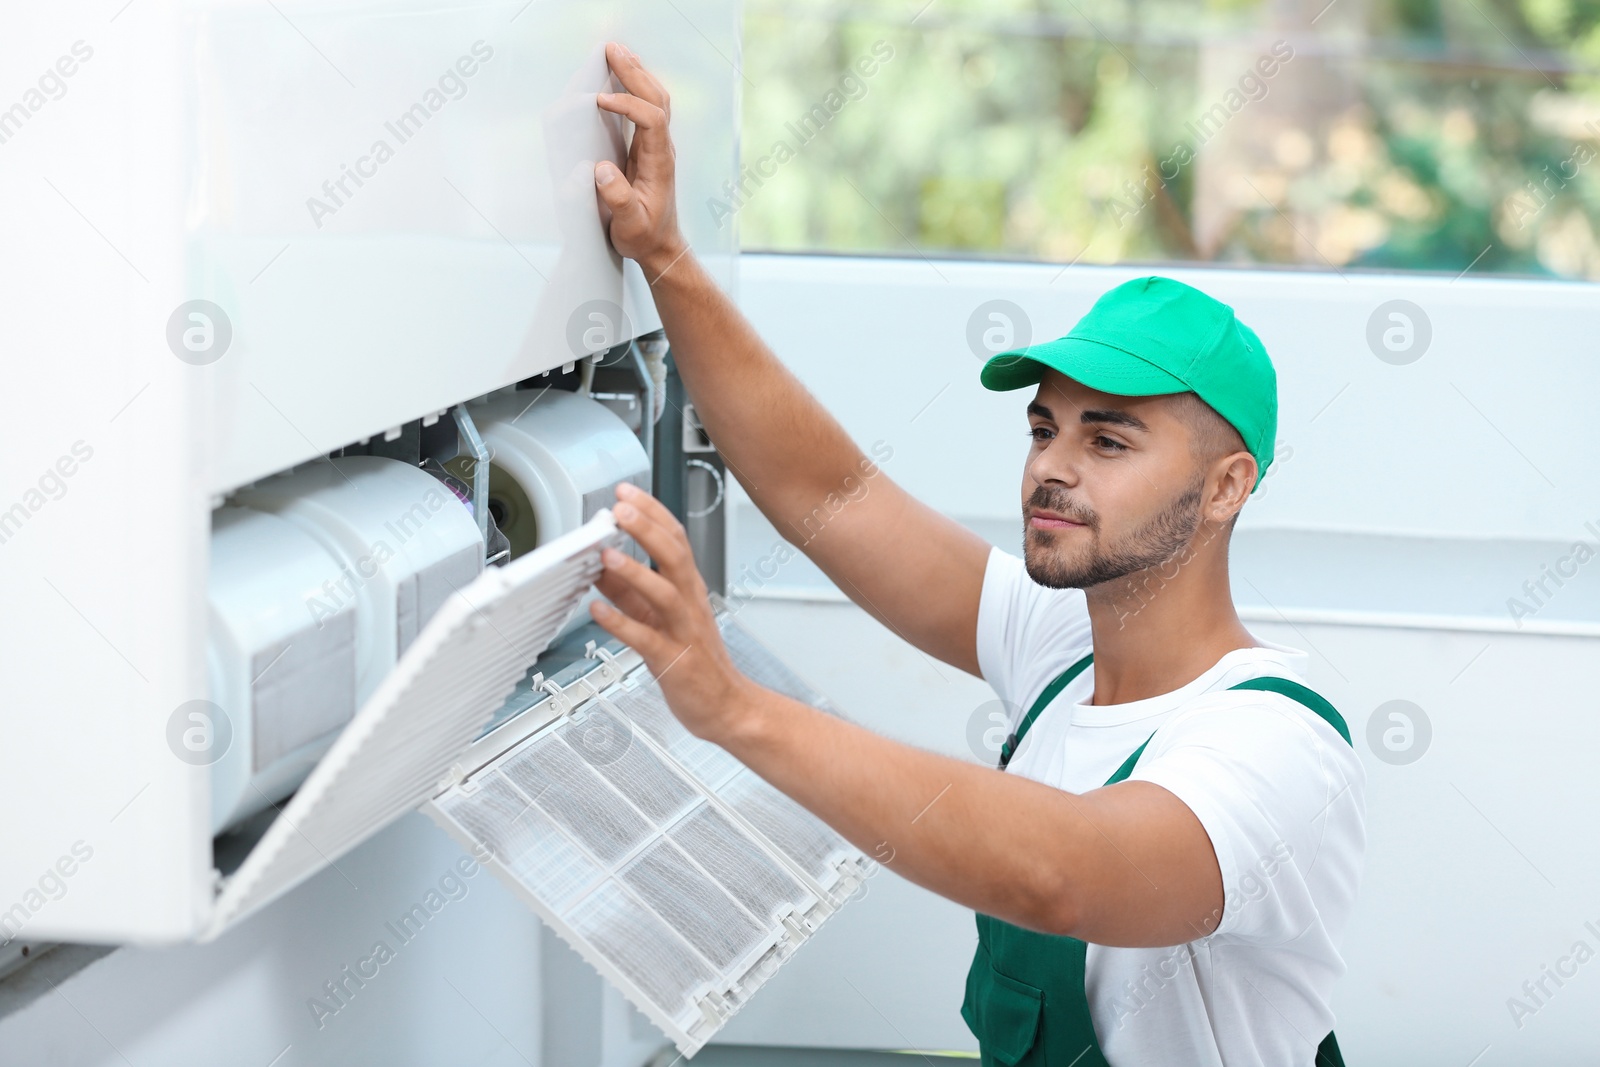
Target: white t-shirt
[{"x": 1280, "y": 793}]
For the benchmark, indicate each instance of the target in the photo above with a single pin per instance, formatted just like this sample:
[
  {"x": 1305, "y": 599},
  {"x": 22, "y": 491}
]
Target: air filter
[{"x": 680, "y": 875}]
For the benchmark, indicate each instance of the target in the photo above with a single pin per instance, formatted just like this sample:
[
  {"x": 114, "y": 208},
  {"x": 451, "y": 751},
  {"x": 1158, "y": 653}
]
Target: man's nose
[{"x": 1052, "y": 466}]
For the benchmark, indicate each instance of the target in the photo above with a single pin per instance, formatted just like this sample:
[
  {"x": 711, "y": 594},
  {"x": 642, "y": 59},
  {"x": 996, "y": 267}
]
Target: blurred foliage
[{"x": 1410, "y": 134}]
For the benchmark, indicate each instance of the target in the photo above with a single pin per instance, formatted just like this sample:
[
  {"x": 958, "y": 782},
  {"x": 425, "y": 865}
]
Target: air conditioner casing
[{"x": 189, "y": 160}]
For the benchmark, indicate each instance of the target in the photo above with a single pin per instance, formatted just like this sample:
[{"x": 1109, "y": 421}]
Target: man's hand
[
  {"x": 643, "y": 203},
  {"x": 665, "y": 617}
]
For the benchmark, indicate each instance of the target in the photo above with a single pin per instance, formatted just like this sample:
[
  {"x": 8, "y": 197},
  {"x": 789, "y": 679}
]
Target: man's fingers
[
  {"x": 668, "y": 546},
  {"x": 651, "y": 152},
  {"x": 615, "y": 189},
  {"x": 624, "y": 596},
  {"x": 633, "y": 75},
  {"x": 649, "y": 107},
  {"x": 659, "y": 592},
  {"x": 654, "y": 509},
  {"x": 666, "y": 540},
  {"x": 642, "y": 113},
  {"x": 636, "y": 635}
]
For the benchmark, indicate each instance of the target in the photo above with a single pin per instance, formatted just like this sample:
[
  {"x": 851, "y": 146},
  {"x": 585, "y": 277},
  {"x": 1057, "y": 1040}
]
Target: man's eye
[
  {"x": 1039, "y": 433},
  {"x": 1106, "y": 442}
]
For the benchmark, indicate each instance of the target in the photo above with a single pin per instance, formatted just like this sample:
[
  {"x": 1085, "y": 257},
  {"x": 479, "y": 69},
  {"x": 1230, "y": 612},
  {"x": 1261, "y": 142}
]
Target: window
[{"x": 1387, "y": 134}]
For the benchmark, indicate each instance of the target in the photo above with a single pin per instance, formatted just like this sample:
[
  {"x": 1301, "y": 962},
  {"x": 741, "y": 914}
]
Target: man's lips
[{"x": 1049, "y": 520}]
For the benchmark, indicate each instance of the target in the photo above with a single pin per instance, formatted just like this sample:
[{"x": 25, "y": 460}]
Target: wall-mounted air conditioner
[{"x": 302, "y": 473}]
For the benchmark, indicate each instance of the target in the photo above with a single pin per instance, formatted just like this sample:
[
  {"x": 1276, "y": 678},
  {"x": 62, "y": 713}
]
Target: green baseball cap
[{"x": 1153, "y": 336}]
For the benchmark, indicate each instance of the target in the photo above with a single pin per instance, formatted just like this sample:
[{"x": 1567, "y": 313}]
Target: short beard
[{"x": 1152, "y": 545}]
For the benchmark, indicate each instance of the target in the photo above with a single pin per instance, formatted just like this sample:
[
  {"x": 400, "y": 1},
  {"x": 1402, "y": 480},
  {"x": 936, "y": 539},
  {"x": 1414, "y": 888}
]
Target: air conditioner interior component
[
  {"x": 475, "y": 455},
  {"x": 565, "y": 675},
  {"x": 398, "y": 749},
  {"x": 556, "y": 459},
  {"x": 497, "y": 550},
  {"x": 403, "y": 539},
  {"x": 284, "y": 680},
  {"x": 680, "y": 875}
]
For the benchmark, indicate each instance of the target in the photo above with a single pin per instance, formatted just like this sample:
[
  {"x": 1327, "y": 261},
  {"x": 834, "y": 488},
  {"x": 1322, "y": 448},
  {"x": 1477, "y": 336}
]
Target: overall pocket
[{"x": 1002, "y": 1013}]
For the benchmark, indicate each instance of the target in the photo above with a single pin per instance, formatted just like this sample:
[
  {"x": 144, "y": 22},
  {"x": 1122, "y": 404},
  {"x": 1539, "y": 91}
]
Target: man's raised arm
[{"x": 912, "y": 568}]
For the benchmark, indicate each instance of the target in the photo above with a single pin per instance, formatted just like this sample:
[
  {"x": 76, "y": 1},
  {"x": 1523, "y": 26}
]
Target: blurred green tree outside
[{"x": 1390, "y": 134}]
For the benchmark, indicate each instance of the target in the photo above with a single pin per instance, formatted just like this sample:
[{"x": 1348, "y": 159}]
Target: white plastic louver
[
  {"x": 396, "y": 752},
  {"x": 680, "y": 875}
]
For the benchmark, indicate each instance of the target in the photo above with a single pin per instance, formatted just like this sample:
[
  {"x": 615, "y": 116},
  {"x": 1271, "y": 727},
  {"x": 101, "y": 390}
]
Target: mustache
[{"x": 1042, "y": 498}]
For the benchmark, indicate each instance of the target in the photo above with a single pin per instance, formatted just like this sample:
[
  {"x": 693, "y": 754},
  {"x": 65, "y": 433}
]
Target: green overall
[{"x": 1025, "y": 999}]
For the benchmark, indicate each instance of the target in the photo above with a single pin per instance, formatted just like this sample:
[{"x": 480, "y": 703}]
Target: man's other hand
[
  {"x": 666, "y": 617},
  {"x": 644, "y": 213}
]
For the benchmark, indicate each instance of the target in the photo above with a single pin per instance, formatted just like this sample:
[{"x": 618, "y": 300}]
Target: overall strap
[
  {"x": 1126, "y": 769},
  {"x": 1291, "y": 689},
  {"x": 1051, "y": 691},
  {"x": 1328, "y": 1053},
  {"x": 1269, "y": 683},
  {"x": 1309, "y": 697}
]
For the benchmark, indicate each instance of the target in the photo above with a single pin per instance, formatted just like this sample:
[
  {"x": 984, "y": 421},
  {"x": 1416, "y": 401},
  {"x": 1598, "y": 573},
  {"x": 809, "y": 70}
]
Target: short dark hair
[{"x": 1210, "y": 435}]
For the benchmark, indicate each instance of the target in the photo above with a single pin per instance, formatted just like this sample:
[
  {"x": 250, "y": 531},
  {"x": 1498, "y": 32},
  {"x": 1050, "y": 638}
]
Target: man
[{"x": 1165, "y": 867}]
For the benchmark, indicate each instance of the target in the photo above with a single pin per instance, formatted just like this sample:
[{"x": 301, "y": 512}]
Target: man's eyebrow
[{"x": 1112, "y": 416}]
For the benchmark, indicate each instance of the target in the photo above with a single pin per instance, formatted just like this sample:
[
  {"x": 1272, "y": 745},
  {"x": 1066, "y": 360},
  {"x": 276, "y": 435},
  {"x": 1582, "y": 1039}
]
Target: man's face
[{"x": 1110, "y": 488}]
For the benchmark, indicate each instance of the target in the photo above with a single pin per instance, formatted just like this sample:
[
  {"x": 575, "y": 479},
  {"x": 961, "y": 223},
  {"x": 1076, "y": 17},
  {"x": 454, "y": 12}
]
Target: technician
[{"x": 1165, "y": 867}]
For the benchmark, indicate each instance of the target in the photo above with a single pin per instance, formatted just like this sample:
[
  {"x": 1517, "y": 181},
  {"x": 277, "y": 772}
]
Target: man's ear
[{"x": 1235, "y": 477}]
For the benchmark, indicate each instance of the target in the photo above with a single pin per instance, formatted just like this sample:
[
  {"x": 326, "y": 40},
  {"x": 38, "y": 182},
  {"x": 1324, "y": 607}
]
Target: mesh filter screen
[
  {"x": 525, "y": 840},
  {"x": 647, "y": 707},
  {"x": 606, "y": 742},
  {"x": 642, "y": 946},
  {"x": 763, "y": 887},
  {"x": 802, "y": 837},
  {"x": 658, "y": 856},
  {"x": 566, "y": 787},
  {"x": 695, "y": 905},
  {"x": 752, "y": 658}
]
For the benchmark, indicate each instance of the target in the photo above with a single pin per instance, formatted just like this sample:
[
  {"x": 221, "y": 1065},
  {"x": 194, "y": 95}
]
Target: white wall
[{"x": 1487, "y": 433}]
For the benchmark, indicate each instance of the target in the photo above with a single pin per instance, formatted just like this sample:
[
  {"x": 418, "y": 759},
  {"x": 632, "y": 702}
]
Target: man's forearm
[
  {"x": 1116, "y": 866},
  {"x": 993, "y": 842},
  {"x": 784, "y": 447}
]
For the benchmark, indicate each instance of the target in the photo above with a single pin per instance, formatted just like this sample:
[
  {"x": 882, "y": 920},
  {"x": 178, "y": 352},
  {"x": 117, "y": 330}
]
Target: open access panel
[{"x": 679, "y": 874}]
